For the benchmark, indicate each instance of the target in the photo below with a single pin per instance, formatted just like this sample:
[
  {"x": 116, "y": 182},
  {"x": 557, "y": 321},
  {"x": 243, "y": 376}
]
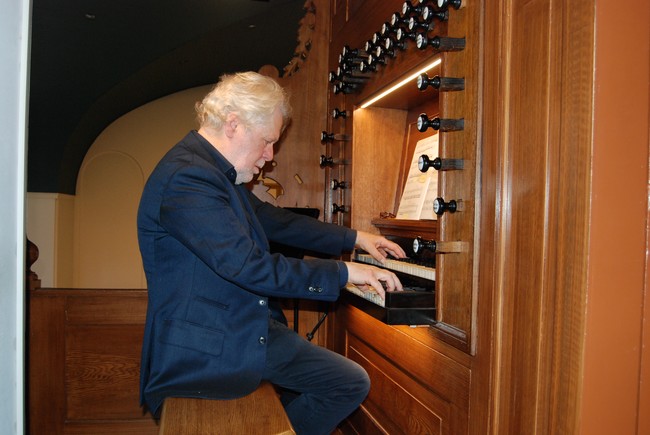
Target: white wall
[{"x": 14, "y": 38}]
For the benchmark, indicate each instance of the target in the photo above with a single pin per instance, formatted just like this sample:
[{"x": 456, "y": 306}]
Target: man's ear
[{"x": 229, "y": 127}]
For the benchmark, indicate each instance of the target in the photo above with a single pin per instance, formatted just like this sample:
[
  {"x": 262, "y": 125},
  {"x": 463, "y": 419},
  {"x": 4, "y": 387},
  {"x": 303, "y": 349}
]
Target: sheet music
[{"x": 421, "y": 188}]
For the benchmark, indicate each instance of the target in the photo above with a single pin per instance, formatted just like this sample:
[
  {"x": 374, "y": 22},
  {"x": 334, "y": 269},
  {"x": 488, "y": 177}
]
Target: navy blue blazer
[{"x": 204, "y": 243}]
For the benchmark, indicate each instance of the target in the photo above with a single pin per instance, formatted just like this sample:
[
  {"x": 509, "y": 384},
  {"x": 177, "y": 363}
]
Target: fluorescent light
[{"x": 400, "y": 84}]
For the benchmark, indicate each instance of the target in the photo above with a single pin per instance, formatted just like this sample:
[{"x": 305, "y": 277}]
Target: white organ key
[
  {"x": 370, "y": 294},
  {"x": 400, "y": 266}
]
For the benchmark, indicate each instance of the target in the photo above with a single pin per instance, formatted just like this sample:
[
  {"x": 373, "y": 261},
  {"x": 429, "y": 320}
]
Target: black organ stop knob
[
  {"x": 439, "y": 124},
  {"x": 339, "y": 208},
  {"x": 387, "y": 29},
  {"x": 393, "y": 45},
  {"x": 440, "y": 83},
  {"x": 428, "y": 14},
  {"x": 444, "y": 4},
  {"x": 404, "y": 34},
  {"x": 326, "y": 161},
  {"x": 336, "y": 184},
  {"x": 419, "y": 245},
  {"x": 415, "y": 25},
  {"x": 396, "y": 20},
  {"x": 424, "y": 163},
  {"x": 352, "y": 55},
  {"x": 336, "y": 113},
  {"x": 330, "y": 137},
  {"x": 365, "y": 66},
  {"x": 408, "y": 9},
  {"x": 440, "y": 206},
  {"x": 439, "y": 43},
  {"x": 346, "y": 88}
]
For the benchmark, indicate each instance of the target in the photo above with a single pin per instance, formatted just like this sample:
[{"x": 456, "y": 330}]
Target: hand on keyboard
[
  {"x": 382, "y": 280},
  {"x": 378, "y": 246}
]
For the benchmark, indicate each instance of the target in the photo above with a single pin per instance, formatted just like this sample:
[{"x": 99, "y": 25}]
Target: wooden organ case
[{"x": 420, "y": 373}]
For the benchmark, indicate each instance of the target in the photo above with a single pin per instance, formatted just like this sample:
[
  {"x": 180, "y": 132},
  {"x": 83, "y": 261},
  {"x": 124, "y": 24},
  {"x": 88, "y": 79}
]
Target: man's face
[{"x": 255, "y": 147}]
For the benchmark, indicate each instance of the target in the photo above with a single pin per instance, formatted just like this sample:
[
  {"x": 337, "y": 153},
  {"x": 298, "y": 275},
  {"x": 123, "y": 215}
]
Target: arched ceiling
[{"x": 94, "y": 60}]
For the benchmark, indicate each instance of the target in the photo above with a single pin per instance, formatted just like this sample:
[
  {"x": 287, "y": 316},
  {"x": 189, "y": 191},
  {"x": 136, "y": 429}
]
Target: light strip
[{"x": 400, "y": 84}]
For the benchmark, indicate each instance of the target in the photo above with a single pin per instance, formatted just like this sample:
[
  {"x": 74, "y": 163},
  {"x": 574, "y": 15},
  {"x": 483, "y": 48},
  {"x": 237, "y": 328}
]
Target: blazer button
[
  {"x": 315, "y": 289},
  {"x": 262, "y": 302},
  {"x": 262, "y": 340}
]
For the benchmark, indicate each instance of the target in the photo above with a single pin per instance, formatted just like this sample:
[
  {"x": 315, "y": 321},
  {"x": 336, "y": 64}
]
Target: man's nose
[{"x": 268, "y": 152}]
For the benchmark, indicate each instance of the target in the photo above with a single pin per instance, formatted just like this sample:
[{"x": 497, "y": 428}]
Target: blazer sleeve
[
  {"x": 199, "y": 209},
  {"x": 285, "y": 226}
]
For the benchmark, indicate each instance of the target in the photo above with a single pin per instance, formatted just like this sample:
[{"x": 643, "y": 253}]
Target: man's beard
[{"x": 244, "y": 177}]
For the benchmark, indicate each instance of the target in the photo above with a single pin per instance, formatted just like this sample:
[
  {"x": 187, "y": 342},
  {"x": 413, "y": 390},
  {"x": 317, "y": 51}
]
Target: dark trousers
[{"x": 327, "y": 387}]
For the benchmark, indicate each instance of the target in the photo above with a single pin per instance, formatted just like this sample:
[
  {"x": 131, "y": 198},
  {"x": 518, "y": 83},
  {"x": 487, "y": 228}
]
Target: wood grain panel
[
  {"x": 259, "y": 412},
  {"x": 527, "y": 197},
  {"x": 441, "y": 367},
  {"x": 378, "y": 145},
  {"x": 102, "y": 372},
  {"x": 97, "y": 310},
  {"x": 399, "y": 404},
  {"x": 46, "y": 360},
  {"x": 113, "y": 427},
  {"x": 84, "y": 362}
]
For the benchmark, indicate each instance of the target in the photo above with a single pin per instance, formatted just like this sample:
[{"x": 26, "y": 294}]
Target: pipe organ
[{"x": 403, "y": 73}]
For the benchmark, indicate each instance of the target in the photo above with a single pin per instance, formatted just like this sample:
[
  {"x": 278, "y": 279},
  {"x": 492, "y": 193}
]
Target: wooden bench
[{"x": 260, "y": 412}]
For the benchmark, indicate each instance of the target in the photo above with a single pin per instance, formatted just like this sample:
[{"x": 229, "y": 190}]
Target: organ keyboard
[{"x": 416, "y": 305}]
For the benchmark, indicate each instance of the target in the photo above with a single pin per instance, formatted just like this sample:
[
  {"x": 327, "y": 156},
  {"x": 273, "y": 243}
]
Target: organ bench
[{"x": 260, "y": 412}]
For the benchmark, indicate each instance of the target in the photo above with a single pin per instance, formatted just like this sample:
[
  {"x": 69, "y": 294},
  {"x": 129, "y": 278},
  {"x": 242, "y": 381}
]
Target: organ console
[
  {"x": 413, "y": 306},
  {"x": 396, "y": 130}
]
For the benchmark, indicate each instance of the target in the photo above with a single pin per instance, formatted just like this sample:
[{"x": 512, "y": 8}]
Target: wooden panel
[
  {"x": 102, "y": 372},
  {"x": 443, "y": 368},
  {"x": 427, "y": 378},
  {"x": 378, "y": 143},
  {"x": 97, "y": 310},
  {"x": 113, "y": 427},
  {"x": 84, "y": 362},
  {"x": 398, "y": 403},
  {"x": 46, "y": 360}
]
